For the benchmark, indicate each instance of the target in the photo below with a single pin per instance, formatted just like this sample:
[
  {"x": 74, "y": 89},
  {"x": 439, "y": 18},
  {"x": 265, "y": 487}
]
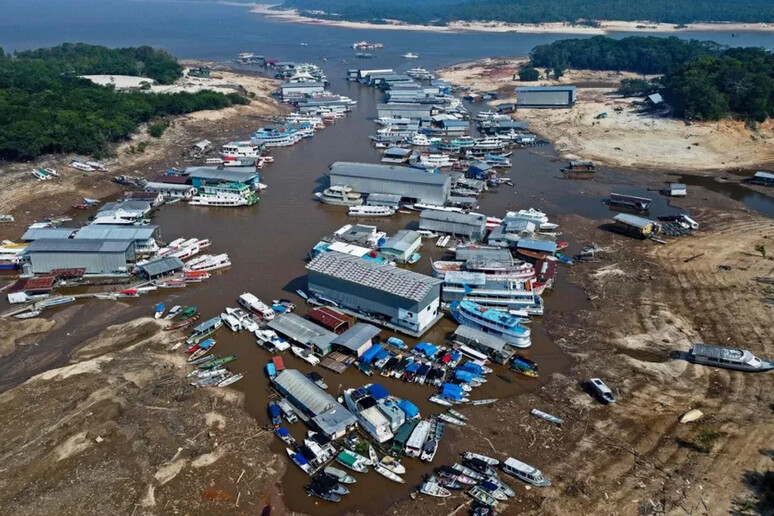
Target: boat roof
[
  {"x": 710, "y": 351},
  {"x": 521, "y": 466},
  {"x": 495, "y": 316}
]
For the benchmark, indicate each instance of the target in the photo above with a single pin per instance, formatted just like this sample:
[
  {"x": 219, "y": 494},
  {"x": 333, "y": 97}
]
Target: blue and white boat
[
  {"x": 492, "y": 321},
  {"x": 278, "y": 136}
]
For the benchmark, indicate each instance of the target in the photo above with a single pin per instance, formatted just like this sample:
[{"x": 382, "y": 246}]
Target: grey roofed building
[
  {"x": 47, "y": 233},
  {"x": 96, "y": 256},
  {"x": 367, "y": 178},
  {"x": 141, "y": 206},
  {"x": 108, "y": 232},
  {"x": 314, "y": 403},
  {"x": 392, "y": 280},
  {"x": 161, "y": 266},
  {"x": 482, "y": 253},
  {"x": 304, "y": 332},
  {"x": 633, "y": 220},
  {"x": 357, "y": 339},
  {"x": 655, "y": 99},
  {"x": 404, "y": 300},
  {"x": 469, "y": 225},
  {"x": 545, "y": 96},
  {"x": 213, "y": 174},
  {"x": 402, "y": 245}
]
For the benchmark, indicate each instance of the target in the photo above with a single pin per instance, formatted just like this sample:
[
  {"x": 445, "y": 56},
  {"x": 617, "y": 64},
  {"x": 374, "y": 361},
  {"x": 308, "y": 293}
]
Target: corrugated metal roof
[
  {"x": 163, "y": 265},
  {"x": 483, "y": 253},
  {"x": 47, "y": 233},
  {"x": 79, "y": 246},
  {"x": 392, "y": 280},
  {"x": 301, "y": 330},
  {"x": 537, "y": 245},
  {"x": 305, "y": 391},
  {"x": 170, "y": 187},
  {"x": 383, "y": 197},
  {"x": 476, "y": 279},
  {"x": 403, "y": 240},
  {"x": 473, "y": 219},
  {"x": 544, "y": 88},
  {"x": 216, "y": 174},
  {"x": 128, "y": 205},
  {"x": 485, "y": 339},
  {"x": 633, "y": 220},
  {"x": 354, "y": 338},
  {"x": 112, "y": 232},
  {"x": 387, "y": 173}
]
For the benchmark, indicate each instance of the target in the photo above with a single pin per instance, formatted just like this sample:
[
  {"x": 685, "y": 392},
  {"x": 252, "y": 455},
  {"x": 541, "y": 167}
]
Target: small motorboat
[
  {"x": 299, "y": 460},
  {"x": 388, "y": 474},
  {"x": 482, "y": 458},
  {"x": 451, "y": 420},
  {"x": 431, "y": 487},
  {"x": 546, "y": 416},
  {"x": 352, "y": 461},
  {"x": 458, "y": 415},
  {"x": 340, "y": 475},
  {"x": 173, "y": 312},
  {"x": 439, "y": 400},
  {"x": 230, "y": 379},
  {"x": 158, "y": 310},
  {"x": 372, "y": 455},
  {"x": 284, "y": 435},
  {"x": 691, "y": 415},
  {"x": 393, "y": 465},
  {"x": 28, "y": 315},
  {"x": 481, "y": 495}
]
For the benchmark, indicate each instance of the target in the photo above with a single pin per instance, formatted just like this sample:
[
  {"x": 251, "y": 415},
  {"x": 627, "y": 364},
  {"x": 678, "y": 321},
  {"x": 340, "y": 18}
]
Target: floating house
[
  {"x": 406, "y": 300},
  {"x": 315, "y": 405},
  {"x": 634, "y": 226},
  {"x": 330, "y": 318},
  {"x": 469, "y": 225},
  {"x": 402, "y": 245},
  {"x": 96, "y": 257},
  {"x": 678, "y": 190},
  {"x": 356, "y": 340},
  {"x": 160, "y": 267},
  {"x": 144, "y": 237},
  {"x": 411, "y": 185},
  {"x": 304, "y": 332},
  {"x": 491, "y": 345}
]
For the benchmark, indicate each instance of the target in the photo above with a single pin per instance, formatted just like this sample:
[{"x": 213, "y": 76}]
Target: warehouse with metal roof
[
  {"x": 100, "y": 257},
  {"x": 545, "y": 96},
  {"x": 402, "y": 245},
  {"x": 211, "y": 175},
  {"x": 406, "y": 300},
  {"x": 356, "y": 340},
  {"x": 303, "y": 331},
  {"x": 411, "y": 185},
  {"x": 470, "y": 225},
  {"x": 161, "y": 267},
  {"x": 46, "y": 233},
  {"x": 142, "y": 236},
  {"x": 422, "y": 112},
  {"x": 314, "y": 404}
]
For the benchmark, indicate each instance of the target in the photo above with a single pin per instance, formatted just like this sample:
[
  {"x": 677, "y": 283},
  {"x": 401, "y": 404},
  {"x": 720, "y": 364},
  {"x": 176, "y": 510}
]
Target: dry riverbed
[{"x": 629, "y": 136}]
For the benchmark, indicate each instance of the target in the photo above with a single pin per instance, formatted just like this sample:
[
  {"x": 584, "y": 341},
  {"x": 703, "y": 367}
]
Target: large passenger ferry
[{"x": 492, "y": 321}]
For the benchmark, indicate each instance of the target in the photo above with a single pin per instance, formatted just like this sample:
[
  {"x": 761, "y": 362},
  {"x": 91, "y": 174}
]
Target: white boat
[
  {"x": 479, "y": 494},
  {"x": 458, "y": 415},
  {"x": 451, "y": 420},
  {"x": 546, "y": 416},
  {"x": 602, "y": 390},
  {"x": 352, "y": 461},
  {"x": 371, "y": 211},
  {"x": 482, "y": 458},
  {"x": 299, "y": 460},
  {"x": 340, "y": 475},
  {"x": 243, "y": 149},
  {"x": 388, "y": 474},
  {"x": 270, "y": 339},
  {"x": 173, "y": 312},
  {"x": 372, "y": 455},
  {"x": 433, "y": 488},
  {"x": 429, "y": 450},
  {"x": 426, "y": 234},
  {"x": 305, "y": 355},
  {"x": 207, "y": 373},
  {"x": 525, "y": 472},
  {"x": 436, "y": 161},
  {"x": 368, "y": 415},
  {"x": 340, "y": 196},
  {"x": 417, "y": 439},
  {"x": 28, "y": 315},
  {"x": 486, "y": 401},
  {"x": 78, "y": 165},
  {"x": 230, "y": 379},
  {"x": 439, "y": 400},
  {"x": 410, "y": 55},
  {"x": 393, "y": 465},
  {"x": 220, "y": 199},
  {"x": 728, "y": 358},
  {"x": 421, "y": 140},
  {"x": 213, "y": 263},
  {"x": 255, "y": 305}
]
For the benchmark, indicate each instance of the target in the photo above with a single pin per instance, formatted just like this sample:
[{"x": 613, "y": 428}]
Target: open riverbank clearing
[{"x": 628, "y": 136}]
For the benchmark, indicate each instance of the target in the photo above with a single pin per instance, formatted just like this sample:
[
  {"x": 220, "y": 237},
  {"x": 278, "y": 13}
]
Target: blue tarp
[
  {"x": 451, "y": 387},
  {"x": 281, "y": 431},
  {"x": 472, "y": 367},
  {"x": 370, "y": 354},
  {"x": 409, "y": 408},
  {"x": 300, "y": 459},
  {"x": 464, "y": 376},
  {"x": 426, "y": 348},
  {"x": 377, "y": 391},
  {"x": 382, "y": 353},
  {"x": 413, "y": 367},
  {"x": 274, "y": 410}
]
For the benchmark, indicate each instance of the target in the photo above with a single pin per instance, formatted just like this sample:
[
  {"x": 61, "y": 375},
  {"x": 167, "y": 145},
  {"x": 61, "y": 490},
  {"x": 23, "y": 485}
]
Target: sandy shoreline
[
  {"x": 607, "y": 27},
  {"x": 616, "y": 131}
]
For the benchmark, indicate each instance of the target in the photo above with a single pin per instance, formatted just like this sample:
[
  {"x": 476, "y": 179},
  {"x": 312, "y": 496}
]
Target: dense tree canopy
[
  {"x": 647, "y": 55},
  {"x": 530, "y": 11},
  {"x": 46, "y": 108}
]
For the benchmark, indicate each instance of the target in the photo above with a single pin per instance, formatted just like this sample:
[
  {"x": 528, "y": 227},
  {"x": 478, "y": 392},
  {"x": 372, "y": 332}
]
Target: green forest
[
  {"x": 699, "y": 80},
  {"x": 440, "y": 12},
  {"x": 46, "y": 108}
]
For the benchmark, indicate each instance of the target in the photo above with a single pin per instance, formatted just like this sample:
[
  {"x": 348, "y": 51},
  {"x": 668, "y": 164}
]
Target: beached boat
[
  {"x": 454, "y": 475},
  {"x": 483, "y": 458},
  {"x": 173, "y": 312},
  {"x": 230, "y": 380},
  {"x": 339, "y": 196},
  {"x": 371, "y": 211},
  {"x": 410, "y": 55},
  {"x": 691, "y": 415},
  {"x": 458, "y": 415},
  {"x": 158, "y": 310},
  {"x": 602, "y": 390},
  {"x": 440, "y": 401},
  {"x": 217, "y": 362},
  {"x": 525, "y": 472},
  {"x": 484, "y": 401},
  {"x": 339, "y": 475},
  {"x": 482, "y": 496},
  {"x": 451, "y": 420},
  {"x": 208, "y": 373},
  {"x": 352, "y": 461},
  {"x": 28, "y": 315},
  {"x": 468, "y": 472},
  {"x": 201, "y": 349},
  {"x": 546, "y": 416},
  {"x": 728, "y": 358},
  {"x": 431, "y": 487},
  {"x": 525, "y": 366},
  {"x": 204, "y": 330}
]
